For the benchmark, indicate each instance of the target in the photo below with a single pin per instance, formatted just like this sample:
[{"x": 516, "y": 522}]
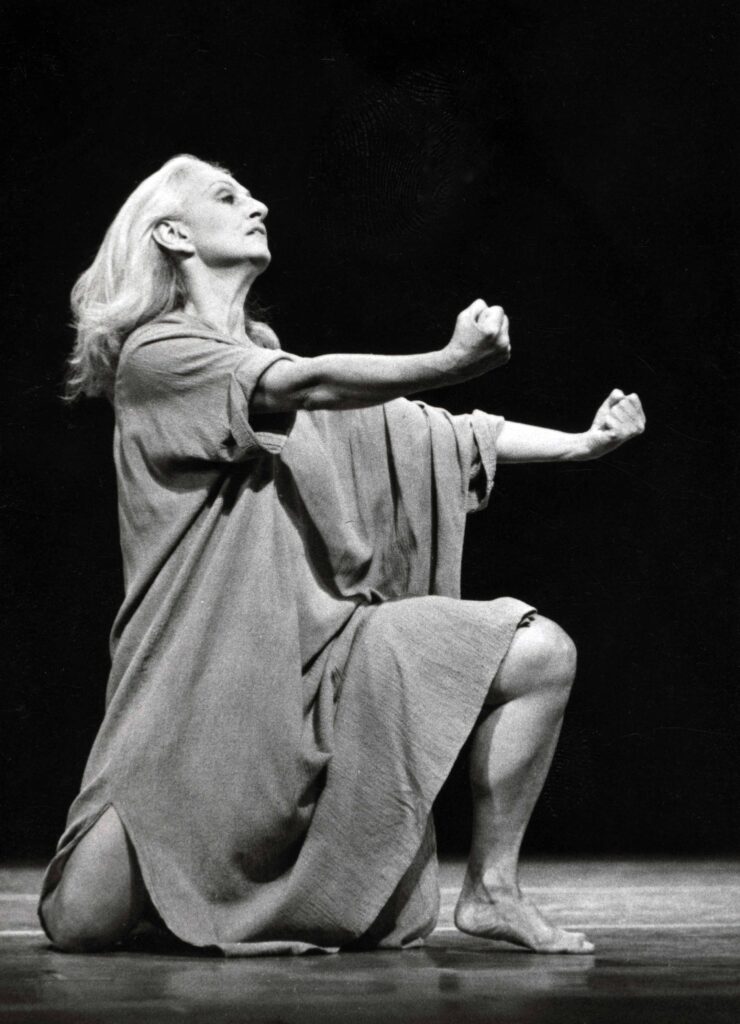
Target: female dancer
[{"x": 293, "y": 671}]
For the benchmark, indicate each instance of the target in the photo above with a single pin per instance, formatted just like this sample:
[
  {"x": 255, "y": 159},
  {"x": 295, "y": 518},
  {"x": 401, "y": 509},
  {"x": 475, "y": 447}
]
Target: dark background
[{"x": 569, "y": 161}]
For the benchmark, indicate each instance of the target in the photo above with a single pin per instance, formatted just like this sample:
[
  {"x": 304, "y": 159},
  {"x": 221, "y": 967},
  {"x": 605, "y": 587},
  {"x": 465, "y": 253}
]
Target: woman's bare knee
[
  {"x": 100, "y": 896},
  {"x": 78, "y": 927},
  {"x": 541, "y": 656}
]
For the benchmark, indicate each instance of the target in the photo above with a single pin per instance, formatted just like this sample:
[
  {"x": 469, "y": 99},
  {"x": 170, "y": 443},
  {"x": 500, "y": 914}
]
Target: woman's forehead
[{"x": 205, "y": 177}]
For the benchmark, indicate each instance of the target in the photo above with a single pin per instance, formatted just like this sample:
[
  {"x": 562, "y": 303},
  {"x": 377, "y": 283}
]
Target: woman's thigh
[{"x": 101, "y": 895}]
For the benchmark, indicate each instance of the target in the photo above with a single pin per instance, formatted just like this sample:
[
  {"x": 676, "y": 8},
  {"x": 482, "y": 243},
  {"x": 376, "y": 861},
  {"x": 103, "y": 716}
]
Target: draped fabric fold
[{"x": 293, "y": 672}]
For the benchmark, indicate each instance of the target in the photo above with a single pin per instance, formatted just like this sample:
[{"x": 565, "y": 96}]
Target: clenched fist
[
  {"x": 480, "y": 341},
  {"x": 617, "y": 420}
]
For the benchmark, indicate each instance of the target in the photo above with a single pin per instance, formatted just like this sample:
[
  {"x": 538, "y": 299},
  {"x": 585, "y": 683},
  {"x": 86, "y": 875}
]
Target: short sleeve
[
  {"x": 189, "y": 397},
  {"x": 486, "y": 429}
]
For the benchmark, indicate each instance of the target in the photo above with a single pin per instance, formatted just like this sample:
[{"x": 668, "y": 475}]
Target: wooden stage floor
[{"x": 667, "y": 939}]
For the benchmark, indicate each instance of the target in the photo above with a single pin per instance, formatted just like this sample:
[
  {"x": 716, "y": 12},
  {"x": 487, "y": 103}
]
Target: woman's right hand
[{"x": 480, "y": 341}]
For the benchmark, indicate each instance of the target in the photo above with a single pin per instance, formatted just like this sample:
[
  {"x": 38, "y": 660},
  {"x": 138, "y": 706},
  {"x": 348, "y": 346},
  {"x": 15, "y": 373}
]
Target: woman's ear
[{"x": 173, "y": 236}]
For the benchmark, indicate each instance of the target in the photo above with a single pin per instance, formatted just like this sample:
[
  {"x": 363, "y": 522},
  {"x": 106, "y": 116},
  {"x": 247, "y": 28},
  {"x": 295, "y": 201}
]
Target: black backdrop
[{"x": 569, "y": 161}]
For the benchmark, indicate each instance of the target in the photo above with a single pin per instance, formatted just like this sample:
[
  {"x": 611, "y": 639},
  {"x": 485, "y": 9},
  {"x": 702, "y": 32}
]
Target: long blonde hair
[{"x": 131, "y": 280}]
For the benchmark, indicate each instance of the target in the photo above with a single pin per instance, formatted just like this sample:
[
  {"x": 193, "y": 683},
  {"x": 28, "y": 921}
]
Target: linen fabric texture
[{"x": 293, "y": 671}]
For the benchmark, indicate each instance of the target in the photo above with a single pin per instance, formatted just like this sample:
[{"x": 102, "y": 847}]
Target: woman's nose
[{"x": 258, "y": 209}]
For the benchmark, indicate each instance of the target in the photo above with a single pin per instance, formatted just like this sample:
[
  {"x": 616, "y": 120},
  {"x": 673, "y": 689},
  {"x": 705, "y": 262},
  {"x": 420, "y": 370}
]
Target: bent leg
[
  {"x": 511, "y": 754},
  {"x": 101, "y": 895}
]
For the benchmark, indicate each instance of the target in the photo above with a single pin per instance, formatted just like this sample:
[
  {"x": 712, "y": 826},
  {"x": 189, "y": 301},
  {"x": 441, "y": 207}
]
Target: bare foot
[{"x": 505, "y": 915}]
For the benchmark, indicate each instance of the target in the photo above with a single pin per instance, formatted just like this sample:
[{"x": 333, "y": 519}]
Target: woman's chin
[{"x": 259, "y": 257}]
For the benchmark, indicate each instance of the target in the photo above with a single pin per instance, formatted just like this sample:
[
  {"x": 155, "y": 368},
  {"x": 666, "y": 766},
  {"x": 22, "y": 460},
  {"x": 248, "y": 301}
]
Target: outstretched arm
[
  {"x": 479, "y": 343},
  {"x": 617, "y": 420}
]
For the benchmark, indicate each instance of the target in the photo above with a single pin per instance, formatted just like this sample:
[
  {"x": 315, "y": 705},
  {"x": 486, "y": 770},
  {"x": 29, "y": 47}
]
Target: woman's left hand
[{"x": 617, "y": 420}]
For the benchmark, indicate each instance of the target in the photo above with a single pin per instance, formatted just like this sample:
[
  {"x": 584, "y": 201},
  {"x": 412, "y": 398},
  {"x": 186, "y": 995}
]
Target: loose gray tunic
[{"x": 293, "y": 673}]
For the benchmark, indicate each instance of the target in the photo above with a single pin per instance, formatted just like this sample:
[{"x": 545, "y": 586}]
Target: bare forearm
[
  {"x": 618, "y": 419},
  {"x": 520, "y": 442},
  {"x": 480, "y": 342},
  {"x": 350, "y": 381}
]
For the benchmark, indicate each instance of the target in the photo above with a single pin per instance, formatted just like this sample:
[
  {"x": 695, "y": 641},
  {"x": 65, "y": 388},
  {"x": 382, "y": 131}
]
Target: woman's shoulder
[
  {"x": 169, "y": 338},
  {"x": 176, "y": 347},
  {"x": 179, "y": 325},
  {"x": 167, "y": 327},
  {"x": 164, "y": 352}
]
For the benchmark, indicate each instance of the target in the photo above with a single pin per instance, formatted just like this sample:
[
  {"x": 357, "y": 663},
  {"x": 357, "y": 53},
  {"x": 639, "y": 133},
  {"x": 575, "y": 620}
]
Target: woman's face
[{"x": 224, "y": 223}]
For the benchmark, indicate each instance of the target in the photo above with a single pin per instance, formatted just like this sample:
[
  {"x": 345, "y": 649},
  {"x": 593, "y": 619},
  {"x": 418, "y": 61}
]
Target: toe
[{"x": 580, "y": 944}]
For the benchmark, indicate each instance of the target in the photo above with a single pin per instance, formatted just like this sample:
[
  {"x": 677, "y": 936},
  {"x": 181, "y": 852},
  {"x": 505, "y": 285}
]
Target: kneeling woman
[{"x": 293, "y": 670}]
